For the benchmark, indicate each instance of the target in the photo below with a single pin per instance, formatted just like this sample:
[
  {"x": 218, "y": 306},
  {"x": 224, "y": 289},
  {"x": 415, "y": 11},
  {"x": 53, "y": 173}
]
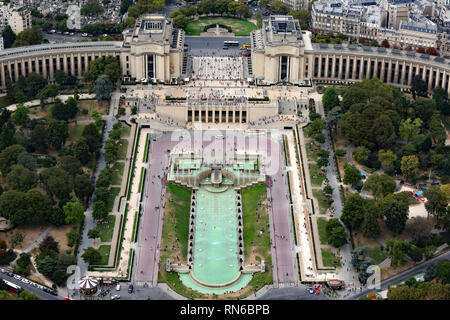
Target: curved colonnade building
[
  {"x": 152, "y": 49},
  {"x": 280, "y": 51}
]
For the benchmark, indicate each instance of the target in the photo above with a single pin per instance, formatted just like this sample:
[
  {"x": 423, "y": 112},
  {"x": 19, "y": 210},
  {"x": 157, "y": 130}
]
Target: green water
[{"x": 216, "y": 248}]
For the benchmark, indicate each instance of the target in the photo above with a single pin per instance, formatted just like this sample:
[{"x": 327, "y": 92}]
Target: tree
[
  {"x": 387, "y": 157},
  {"x": 437, "y": 202},
  {"x": 35, "y": 83},
  {"x": 395, "y": 212},
  {"x": 38, "y": 206},
  {"x": 409, "y": 129},
  {"x": 49, "y": 243},
  {"x": 380, "y": 185},
  {"x": 93, "y": 233},
  {"x": 70, "y": 164},
  {"x": 40, "y": 138},
  {"x": 111, "y": 151},
  {"x": 104, "y": 178},
  {"x": 443, "y": 272},
  {"x": 361, "y": 154},
  {"x": 8, "y": 36},
  {"x": 410, "y": 166},
  {"x": 57, "y": 182},
  {"x": 81, "y": 150},
  {"x": 91, "y": 8},
  {"x": 431, "y": 51},
  {"x": 8, "y": 157},
  {"x": 430, "y": 272},
  {"x": 58, "y": 132},
  {"x": 385, "y": 43},
  {"x": 99, "y": 212},
  {"x": 13, "y": 206},
  {"x": 112, "y": 69},
  {"x": 423, "y": 291},
  {"x": 20, "y": 116},
  {"x": 420, "y": 229},
  {"x": 83, "y": 187},
  {"x": 74, "y": 211},
  {"x": 398, "y": 255},
  {"x": 351, "y": 175},
  {"x": 21, "y": 179},
  {"x": 437, "y": 131},
  {"x": 330, "y": 98},
  {"x": 97, "y": 116},
  {"x": 28, "y": 37},
  {"x": 370, "y": 226},
  {"x": 415, "y": 253},
  {"x": 279, "y": 7},
  {"x": 60, "y": 77},
  {"x": 336, "y": 234},
  {"x": 353, "y": 211},
  {"x": 46, "y": 266},
  {"x": 91, "y": 256},
  {"x": 103, "y": 88},
  {"x": 418, "y": 87},
  {"x": 64, "y": 111},
  {"x": 180, "y": 21}
]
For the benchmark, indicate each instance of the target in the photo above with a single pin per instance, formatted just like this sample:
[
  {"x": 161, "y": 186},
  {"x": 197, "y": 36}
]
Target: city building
[
  {"x": 278, "y": 50},
  {"x": 403, "y": 23},
  {"x": 19, "y": 18},
  {"x": 296, "y": 5}
]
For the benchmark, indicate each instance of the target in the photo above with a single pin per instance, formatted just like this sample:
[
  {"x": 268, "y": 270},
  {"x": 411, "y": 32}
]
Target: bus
[
  {"x": 246, "y": 46},
  {"x": 231, "y": 43},
  {"x": 13, "y": 288}
]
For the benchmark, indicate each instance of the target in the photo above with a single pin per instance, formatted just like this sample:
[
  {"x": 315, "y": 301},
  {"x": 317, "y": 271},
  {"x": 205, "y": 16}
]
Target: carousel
[{"x": 88, "y": 285}]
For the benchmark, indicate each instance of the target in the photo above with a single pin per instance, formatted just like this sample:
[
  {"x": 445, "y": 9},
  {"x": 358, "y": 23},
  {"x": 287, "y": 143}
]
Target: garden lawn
[
  {"x": 75, "y": 131},
  {"x": 106, "y": 229},
  {"x": 376, "y": 254},
  {"x": 321, "y": 225},
  {"x": 324, "y": 202},
  {"x": 123, "y": 149},
  {"x": 328, "y": 258},
  {"x": 238, "y": 26},
  {"x": 117, "y": 173},
  {"x": 316, "y": 175},
  {"x": 113, "y": 192},
  {"x": 104, "y": 252}
]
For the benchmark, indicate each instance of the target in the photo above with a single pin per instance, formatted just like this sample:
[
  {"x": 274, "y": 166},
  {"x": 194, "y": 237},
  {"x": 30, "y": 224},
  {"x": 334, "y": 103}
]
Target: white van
[{"x": 118, "y": 287}]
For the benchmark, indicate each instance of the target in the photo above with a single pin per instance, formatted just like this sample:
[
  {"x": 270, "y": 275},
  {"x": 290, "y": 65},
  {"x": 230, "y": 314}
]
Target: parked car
[
  {"x": 118, "y": 287},
  {"x": 2, "y": 270},
  {"x": 311, "y": 290},
  {"x": 130, "y": 288},
  {"x": 84, "y": 34},
  {"x": 25, "y": 281},
  {"x": 115, "y": 297},
  {"x": 17, "y": 277},
  {"x": 9, "y": 274}
]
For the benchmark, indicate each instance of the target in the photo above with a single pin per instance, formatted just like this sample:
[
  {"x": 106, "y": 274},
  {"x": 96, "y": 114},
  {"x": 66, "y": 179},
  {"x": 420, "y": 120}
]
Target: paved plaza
[{"x": 217, "y": 68}]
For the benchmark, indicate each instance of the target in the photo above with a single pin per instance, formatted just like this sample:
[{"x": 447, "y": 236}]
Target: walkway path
[
  {"x": 38, "y": 239},
  {"x": 89, "y": 222},
  {"x": 62, "y": 97}
]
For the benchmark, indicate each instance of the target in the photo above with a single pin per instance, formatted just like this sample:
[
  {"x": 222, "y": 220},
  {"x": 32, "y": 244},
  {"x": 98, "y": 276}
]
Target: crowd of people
[{"x": 217, "y": 68}]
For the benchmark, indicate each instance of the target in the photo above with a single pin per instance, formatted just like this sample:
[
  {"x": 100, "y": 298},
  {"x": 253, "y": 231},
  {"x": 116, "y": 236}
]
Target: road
[
  {"x": 402, "y": 276},
  {"x": 293, "y": 293},
  {"x": 38, "y": 292}
]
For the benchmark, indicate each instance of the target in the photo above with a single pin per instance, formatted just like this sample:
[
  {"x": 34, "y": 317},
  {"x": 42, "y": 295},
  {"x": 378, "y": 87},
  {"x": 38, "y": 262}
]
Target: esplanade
[{"x": 281, "y": 51}]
